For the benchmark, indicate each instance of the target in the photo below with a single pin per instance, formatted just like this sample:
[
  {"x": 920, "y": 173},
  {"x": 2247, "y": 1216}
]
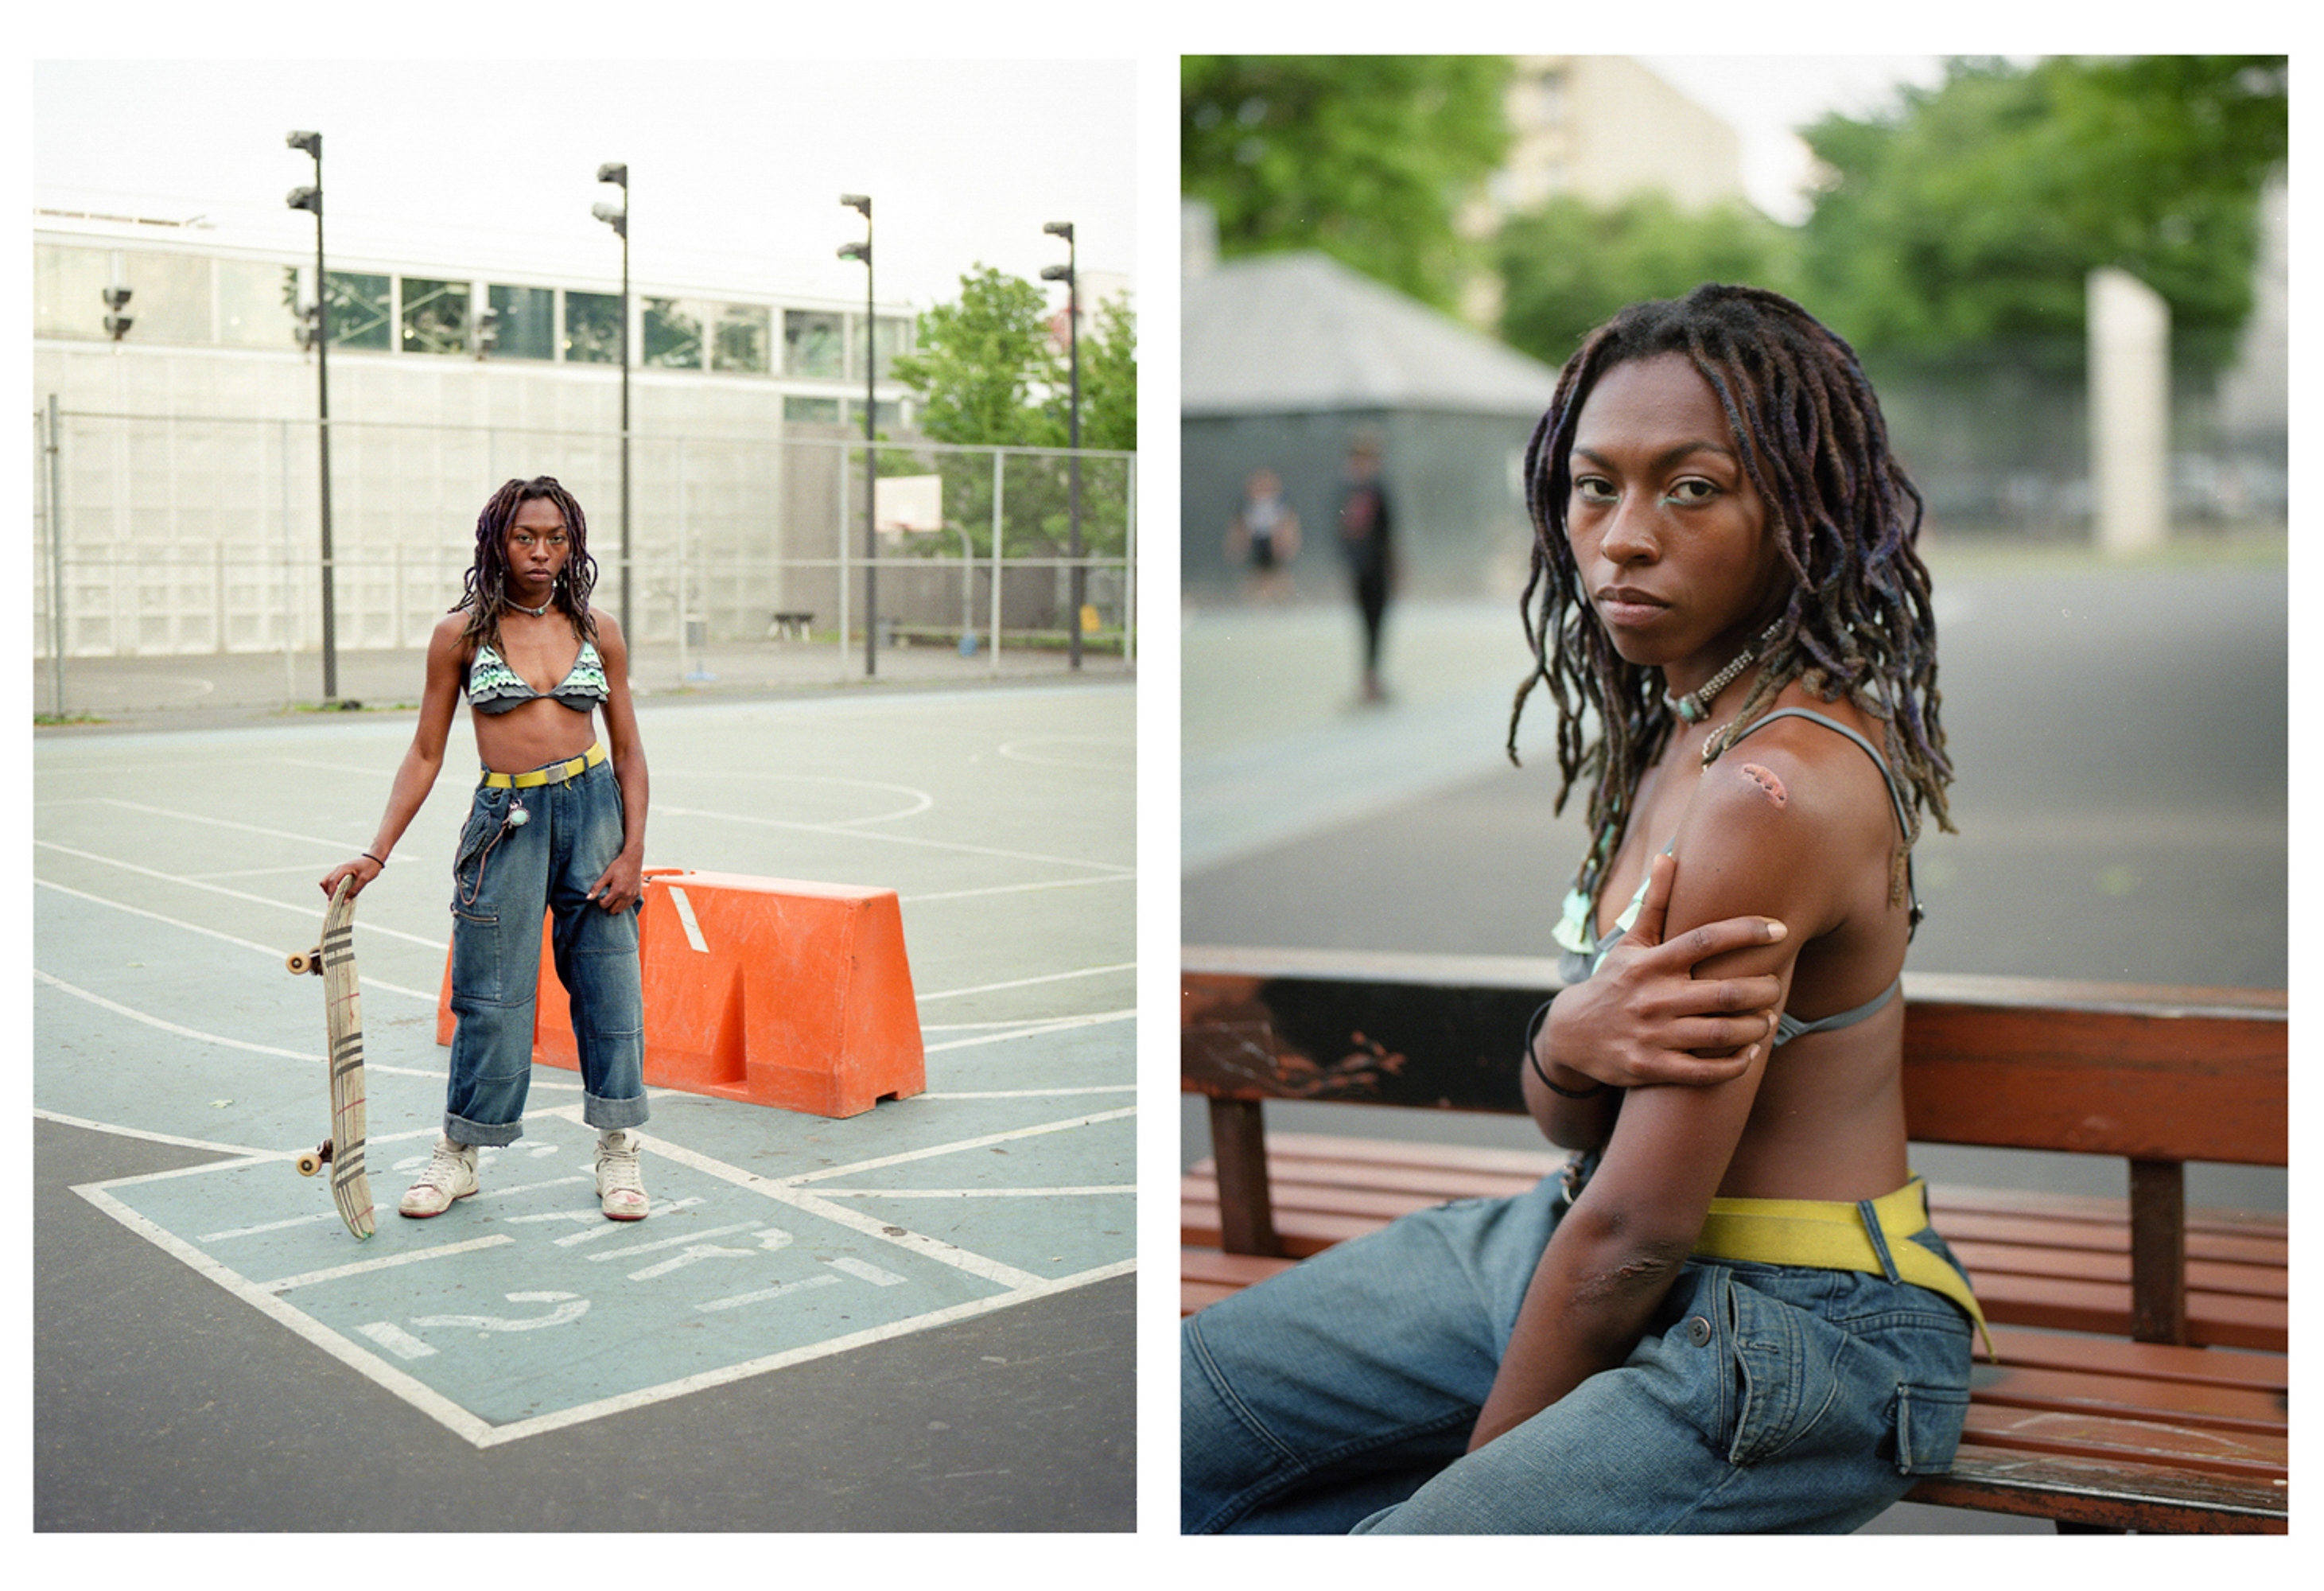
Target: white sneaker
[
  {"x": 620, "y": 1184},
  {"x": 451, "y": 1174}
]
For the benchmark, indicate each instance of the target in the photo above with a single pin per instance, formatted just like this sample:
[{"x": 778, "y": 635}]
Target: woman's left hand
[{"x": 620, "y": 886}]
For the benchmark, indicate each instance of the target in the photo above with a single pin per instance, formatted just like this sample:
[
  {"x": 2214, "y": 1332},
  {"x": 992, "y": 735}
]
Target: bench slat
[{"x": 2102, "y": 1494}]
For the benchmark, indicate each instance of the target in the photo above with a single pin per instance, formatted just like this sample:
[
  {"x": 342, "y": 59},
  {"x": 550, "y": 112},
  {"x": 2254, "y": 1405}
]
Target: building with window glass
[{"x": 185, "y": 477}]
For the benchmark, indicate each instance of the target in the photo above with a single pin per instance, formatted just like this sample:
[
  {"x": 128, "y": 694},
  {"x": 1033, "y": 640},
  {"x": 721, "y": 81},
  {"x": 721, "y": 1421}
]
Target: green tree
[
  {"x": 1364, "y": 157},
  {"x": 1963, "y": 223},
  {"x": 988, "y": 372},
  {"x": 1568, "y": 265},
  {"x": 979, "y": 362},
  {"x": 1110, "y": 378}
]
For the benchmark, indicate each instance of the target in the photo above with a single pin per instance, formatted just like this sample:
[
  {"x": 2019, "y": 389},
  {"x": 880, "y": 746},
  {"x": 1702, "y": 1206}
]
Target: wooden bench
[{"x": 2143, "y": 1346}]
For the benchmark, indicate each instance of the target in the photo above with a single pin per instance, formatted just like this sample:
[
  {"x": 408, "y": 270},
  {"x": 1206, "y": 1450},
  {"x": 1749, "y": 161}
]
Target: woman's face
[
  {"x": 1670, "y": 538},
  {"x": 536, "y": 549}
]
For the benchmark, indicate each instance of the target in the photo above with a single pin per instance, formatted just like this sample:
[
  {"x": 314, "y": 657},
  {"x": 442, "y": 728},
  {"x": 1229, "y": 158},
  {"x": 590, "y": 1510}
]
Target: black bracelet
[
  {"x": 1533, "y": 1059},
  {"x": 367, "y": 856}
]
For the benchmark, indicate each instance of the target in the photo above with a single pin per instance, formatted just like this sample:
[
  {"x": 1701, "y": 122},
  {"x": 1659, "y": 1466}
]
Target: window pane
[
  {"x": 525, "y": 323},
  {"x": 68, "y": 291},
  {"x": 256, "y": 304},
  {"x": 435, "y": 315},
  {"x": 360, "y": 316},
  {"x": 673, "y": 335},
  {"x": 740, "y": 342},
  {"x": 170, "y": 297},
  {"x": 811, "y": 411},
  {"x": 813, "y": 342},
  {"x": 593, "y": 327},
  {"x": 890, "y": 335}
]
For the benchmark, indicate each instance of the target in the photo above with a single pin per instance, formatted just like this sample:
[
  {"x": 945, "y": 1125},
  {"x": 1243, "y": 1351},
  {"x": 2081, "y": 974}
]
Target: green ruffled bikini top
[
  {"x": 1582, "y": 950},
  {"x": 496, "y": 688}
]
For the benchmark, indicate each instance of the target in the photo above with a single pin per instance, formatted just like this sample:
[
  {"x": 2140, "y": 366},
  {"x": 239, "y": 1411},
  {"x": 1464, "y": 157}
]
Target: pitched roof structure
[{"x": 1301, "y": 332}]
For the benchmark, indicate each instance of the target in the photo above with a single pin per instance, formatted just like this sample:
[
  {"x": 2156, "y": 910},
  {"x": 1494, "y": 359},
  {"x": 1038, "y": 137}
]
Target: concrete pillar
[{"x": 2130, "y": 411}]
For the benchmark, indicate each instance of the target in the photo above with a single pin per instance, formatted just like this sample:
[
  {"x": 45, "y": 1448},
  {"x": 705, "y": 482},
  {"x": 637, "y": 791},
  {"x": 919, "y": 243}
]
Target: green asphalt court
[{"x": 174, "y": 870}]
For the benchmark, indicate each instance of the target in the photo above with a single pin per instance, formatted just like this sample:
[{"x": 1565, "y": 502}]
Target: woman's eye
[
  {"x": 1693, "y": 491},
  {"x": 1590, "y": 488}
]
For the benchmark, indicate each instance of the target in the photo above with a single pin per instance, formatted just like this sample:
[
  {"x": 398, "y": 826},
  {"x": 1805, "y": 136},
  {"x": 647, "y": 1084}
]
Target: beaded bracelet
[{"x": 1533, "y": 1058}]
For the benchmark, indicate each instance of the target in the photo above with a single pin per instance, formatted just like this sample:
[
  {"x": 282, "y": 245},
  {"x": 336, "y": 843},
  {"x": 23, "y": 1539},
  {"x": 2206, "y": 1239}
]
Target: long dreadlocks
[
  {"x": 1809, "y": 431},
  {"x": 486, "y": 587}
]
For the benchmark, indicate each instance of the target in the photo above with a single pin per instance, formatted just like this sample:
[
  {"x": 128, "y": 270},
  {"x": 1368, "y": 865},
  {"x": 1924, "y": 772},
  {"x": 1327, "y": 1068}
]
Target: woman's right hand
[
  {"x": 363, "y": 869},
  {"x": 1641, "y": 1016}
]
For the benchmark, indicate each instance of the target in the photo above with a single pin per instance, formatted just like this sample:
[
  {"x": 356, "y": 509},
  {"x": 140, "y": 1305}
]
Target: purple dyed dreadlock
[
  {"x": 1808, "y": 428},
  {"x": 486, "y": 587}
]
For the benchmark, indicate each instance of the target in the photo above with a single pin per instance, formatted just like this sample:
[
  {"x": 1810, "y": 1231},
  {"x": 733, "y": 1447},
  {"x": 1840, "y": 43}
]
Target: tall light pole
[
  {"x": 619, "y": 221},
  {"x": 861, "y": 203},
  {"x": 1078, "y": 586},
  {"x": 311, "y": 199}
]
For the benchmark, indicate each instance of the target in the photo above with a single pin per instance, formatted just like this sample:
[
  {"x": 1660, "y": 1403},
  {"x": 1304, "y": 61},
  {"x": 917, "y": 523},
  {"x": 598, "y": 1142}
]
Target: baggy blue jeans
[
  {"x": 1339, "y": 1395},
  {"x": 505, "y": 879}
]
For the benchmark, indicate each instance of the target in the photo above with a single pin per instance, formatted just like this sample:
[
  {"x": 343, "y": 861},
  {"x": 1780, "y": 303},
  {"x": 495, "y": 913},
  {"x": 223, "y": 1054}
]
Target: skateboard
[{"x": 334, "y": 960}]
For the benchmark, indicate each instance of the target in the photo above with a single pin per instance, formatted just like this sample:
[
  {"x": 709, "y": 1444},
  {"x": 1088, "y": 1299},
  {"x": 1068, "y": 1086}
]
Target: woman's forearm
[{"x": 1591, "y": 1299}]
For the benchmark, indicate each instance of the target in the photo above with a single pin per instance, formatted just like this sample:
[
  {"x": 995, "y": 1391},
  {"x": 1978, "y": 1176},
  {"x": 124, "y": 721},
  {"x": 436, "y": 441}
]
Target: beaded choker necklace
[
  {"x": 1695, "y": 705},
  {"x": 535, "y": 611}
]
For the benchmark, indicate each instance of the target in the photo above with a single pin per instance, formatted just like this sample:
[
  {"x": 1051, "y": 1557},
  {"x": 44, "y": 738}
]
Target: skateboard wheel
[
  {"x": 305, "y": 961},
  {"x": 315, "y": 1158}
]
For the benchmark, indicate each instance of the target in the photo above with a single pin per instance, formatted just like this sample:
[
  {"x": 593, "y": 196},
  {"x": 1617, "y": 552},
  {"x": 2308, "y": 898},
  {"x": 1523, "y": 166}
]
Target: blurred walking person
[
  {"x": 1264, "y": 533},
  {"x": 1364, "y": 528}
]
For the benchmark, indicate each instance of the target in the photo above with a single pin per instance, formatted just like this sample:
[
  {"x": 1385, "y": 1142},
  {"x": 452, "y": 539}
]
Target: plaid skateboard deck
[{"x": 343, "y": 1151}]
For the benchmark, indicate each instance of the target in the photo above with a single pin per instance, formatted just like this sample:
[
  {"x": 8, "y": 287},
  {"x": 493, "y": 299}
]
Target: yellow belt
[
  {"x": 1832, "y": 1236},
  {"x": 555, "y": 773}
]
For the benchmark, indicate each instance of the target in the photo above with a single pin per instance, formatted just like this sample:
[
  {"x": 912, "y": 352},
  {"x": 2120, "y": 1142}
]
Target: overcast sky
[
  {"x": 736, "y": 165},
  {"x": 1767, "y": 98}
]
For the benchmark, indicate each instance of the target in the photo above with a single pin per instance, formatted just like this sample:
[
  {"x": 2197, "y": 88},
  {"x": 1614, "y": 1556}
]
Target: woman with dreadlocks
[
  {"x": 557, "y": 827},
  {"x": 1729, "y": 1314}
]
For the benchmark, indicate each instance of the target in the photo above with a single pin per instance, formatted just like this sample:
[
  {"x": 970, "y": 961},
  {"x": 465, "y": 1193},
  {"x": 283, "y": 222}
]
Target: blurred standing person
[
  {"x": 1364, "y": 523},
  {"x": 1265, "y": 532}
]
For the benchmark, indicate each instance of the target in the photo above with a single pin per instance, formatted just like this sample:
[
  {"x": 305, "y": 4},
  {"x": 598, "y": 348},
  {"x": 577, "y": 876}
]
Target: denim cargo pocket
[
  {"x": 1928, "y": 1422},
  {"x": 486, "y": 817}
]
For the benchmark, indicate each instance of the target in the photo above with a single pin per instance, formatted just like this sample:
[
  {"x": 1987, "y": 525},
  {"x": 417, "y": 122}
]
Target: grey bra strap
[
  {"x": 1895, "y": 795},
  {"x": 1789, "y": 1027}
]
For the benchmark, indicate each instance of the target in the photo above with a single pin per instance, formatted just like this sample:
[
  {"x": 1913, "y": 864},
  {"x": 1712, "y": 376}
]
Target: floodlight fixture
[
  {"x": 1079, "y": 576},
  {"x": 861, "y": 203},
  {"x": 310, "y": 199},
  {"x": 618, "y": 172}
]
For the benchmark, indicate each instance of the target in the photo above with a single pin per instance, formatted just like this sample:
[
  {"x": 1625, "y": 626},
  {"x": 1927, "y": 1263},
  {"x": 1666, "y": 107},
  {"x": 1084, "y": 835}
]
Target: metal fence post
[
  {"x": 56, "y": 566},
  {"x": 999, "y": 475}
]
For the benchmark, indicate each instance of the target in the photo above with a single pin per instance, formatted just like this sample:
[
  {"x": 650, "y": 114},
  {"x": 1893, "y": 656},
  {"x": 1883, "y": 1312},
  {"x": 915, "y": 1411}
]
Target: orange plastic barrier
[{"x": 772, "y": 991}]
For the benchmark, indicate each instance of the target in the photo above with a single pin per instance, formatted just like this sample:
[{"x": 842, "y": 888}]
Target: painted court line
[
  {"x": 1035, "y": 1029},
  {"x": 480, "y": 1433},
  {"x": 248, "y": 1154},
  {"x": 1093, "y": 1189},
  {"x": 957, "y": 1146},
  {"x": 191, "y": 883},
  {"x": 298, "y": 1322},
  {"x": 384, "y": 1263},
  {"x": 273, "y": 952},
  {"x": 931, "y": 1248},
  {"x": 960, "y": 846},
  {"x": 1046, "y": 978}
]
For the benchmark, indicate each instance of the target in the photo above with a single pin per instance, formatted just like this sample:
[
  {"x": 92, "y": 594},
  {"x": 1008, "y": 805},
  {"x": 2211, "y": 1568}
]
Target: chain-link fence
[{"x": 170, "y": 536}]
